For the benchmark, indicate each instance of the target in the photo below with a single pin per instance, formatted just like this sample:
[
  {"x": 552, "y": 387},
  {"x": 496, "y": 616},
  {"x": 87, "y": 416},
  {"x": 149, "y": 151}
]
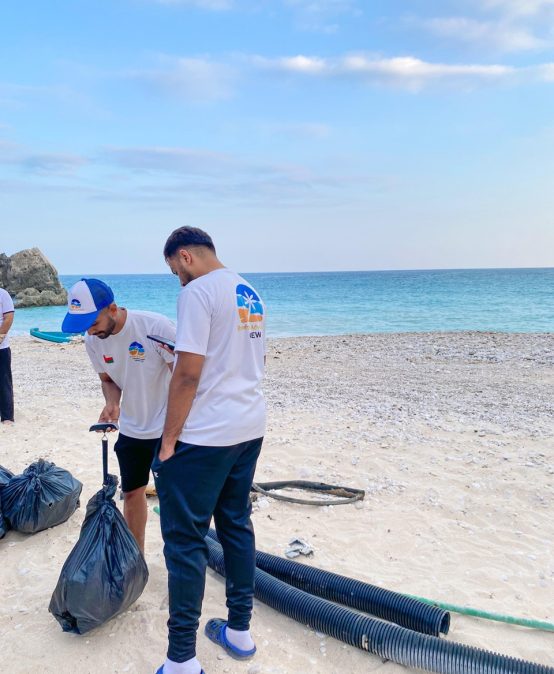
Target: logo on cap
[{"x": 75, "y": 305}]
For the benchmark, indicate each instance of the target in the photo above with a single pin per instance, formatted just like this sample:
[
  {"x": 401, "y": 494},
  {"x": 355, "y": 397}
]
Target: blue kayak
[{"x": 58, "y": 337}]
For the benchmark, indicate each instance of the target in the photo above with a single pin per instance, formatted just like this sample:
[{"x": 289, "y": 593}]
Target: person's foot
[
  {"x": 216, "y": 631},
  {"x": 8, "y": 422},
  {"x": 191, "y": 666},
  {"x": 161, "y": 671}
]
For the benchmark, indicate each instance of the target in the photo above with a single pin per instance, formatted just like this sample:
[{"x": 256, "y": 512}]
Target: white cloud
[
  {"x": 545, "y": 72},
  {"x": 173, "y": 173},
  {"x": 518, "y": 7},
  {"x": 403, "y": 71},
  {"x": 40, "y": 163},
  {"x": 500, "y": 36},
  {"x": 203, "y": 79},
  {"x": 172, "y": 160},
  {"x": 309, "y": 65},
  {"x": 193, "y": 79},
  {"x": 52, "y": 163}
]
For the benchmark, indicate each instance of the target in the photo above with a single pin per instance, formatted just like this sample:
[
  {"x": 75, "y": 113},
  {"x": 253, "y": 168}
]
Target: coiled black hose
[
  {"x": 386, "y": 640},
  {"x": 385, "y": 604}
]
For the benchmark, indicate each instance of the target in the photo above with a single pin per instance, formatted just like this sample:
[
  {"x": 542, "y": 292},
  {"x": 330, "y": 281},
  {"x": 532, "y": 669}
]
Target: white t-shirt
[
  {"x": 220, "y": 316},
  {"x": 139, "y": 367},
  {"x": 6, "y": 306}
]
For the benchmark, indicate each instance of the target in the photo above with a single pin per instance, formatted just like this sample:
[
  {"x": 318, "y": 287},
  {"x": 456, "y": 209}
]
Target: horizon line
[{"x": 333, "y": 271}]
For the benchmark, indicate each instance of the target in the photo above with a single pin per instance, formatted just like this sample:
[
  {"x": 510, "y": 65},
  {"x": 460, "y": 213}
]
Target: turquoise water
[{"x": 331, "y": 303}]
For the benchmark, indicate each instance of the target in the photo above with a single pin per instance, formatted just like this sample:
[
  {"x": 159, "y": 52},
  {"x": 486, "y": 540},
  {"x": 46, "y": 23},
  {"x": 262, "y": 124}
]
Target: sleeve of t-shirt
[
  {"x": 96, "y": 364},
  {"x": 6, "y": 302},
  {"x": 194, "y": 318},
  {"x": 165, "y": 328},
  {"x": 265, "y": 331}
]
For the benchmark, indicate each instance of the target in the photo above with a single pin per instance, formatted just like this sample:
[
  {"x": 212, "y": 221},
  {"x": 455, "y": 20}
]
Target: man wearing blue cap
[{"x": 134, "y": 372}]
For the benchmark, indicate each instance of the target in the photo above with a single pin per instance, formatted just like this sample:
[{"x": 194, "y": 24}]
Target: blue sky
[{"x": 302, "y": 134}]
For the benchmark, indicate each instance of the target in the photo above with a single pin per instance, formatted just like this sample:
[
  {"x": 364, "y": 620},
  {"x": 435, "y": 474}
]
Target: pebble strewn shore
[
  {"x": 450, "y": 435},
  {"x": 491, "y": 380}
]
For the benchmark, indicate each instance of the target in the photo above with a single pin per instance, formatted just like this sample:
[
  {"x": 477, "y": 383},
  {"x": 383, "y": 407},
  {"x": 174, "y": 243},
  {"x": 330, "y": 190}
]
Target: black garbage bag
[
  {"x": 104, "y": 573},
  {"x": 43, "y": 496},
  {"x": 5, "y": 476}
]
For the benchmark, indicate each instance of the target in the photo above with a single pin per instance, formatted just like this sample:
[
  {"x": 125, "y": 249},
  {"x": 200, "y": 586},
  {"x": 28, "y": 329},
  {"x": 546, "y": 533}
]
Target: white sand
[{"x": 450, "y": 434}]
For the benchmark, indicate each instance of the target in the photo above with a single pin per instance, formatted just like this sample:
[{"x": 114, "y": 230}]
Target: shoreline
[
  {"x": 450, "y": 434},
  {"x": 20, "y": 334}
]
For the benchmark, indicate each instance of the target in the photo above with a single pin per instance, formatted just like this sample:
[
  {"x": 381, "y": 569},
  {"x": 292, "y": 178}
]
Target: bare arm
[
  {"x": 7, "y": 321},
  {"x": 112, "y": 395},
  {"x": 182, "y": 390}
]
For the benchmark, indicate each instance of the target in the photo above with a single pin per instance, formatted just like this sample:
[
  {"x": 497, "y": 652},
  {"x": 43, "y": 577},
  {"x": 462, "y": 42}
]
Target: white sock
[
  {"x": 241, "y": 639},
  {"x": 191, "y": 666}
]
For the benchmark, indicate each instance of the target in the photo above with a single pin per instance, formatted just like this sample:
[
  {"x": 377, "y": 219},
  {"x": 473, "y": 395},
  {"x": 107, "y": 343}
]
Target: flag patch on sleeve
[{"x": 108, "y": 359}]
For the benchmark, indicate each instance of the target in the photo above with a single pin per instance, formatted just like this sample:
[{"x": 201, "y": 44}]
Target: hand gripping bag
[
  {"x": 43, "y": 496},
  {"x": 105, "y": 572},
  {"x": 5, "y": 476}
]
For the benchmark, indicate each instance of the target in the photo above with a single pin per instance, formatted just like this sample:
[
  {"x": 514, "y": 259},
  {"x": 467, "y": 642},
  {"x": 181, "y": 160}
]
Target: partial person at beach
[
  {"x": 6, "y": 382},
  {"x": 211, "y": 441},
  {"x": 134, "y": 373}
]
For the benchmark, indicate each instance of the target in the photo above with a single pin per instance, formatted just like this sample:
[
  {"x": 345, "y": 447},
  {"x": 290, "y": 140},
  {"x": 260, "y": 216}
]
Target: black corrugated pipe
[
  {"x": 385, "y": 604},
  {"x": 386, "y": 640}
]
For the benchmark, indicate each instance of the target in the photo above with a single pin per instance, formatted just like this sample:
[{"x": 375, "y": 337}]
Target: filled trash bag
[
  {"x": 5, "y": 476},
  {"x": 104, "y": 573},
  {"x": 43, "y": 496}
]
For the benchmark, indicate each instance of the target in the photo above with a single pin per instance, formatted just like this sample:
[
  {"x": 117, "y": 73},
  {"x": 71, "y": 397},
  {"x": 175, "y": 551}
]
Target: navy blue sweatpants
[
  {"x": 192, "y": 485},
  {"x": 6, "y": 385}
]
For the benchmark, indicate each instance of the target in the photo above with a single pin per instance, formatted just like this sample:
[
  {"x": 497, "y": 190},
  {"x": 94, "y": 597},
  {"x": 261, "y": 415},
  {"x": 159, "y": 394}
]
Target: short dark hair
[{"x": 185, "y": 237}]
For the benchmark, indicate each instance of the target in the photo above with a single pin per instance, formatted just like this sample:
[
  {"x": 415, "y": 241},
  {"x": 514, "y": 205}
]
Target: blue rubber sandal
[{"x": 215, "y": 631}]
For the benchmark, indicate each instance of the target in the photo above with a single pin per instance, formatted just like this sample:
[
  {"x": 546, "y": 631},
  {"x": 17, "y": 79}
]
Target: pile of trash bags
[
  {"x": 5, "y": 476},
  {"x": 105, "y": 572},
  {"x": 43, "y": 496}
]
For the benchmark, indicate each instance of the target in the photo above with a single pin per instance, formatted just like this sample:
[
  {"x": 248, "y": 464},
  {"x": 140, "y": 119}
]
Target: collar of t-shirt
[{"x": 125, "y": 327}]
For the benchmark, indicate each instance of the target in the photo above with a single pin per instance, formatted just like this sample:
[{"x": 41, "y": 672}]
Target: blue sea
[{"x": 333, "y": 303}]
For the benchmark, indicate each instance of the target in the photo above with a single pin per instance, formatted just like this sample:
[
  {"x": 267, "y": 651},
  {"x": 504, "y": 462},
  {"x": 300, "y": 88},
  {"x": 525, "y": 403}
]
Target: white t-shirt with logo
[
  {"x": 139, "y": 367},
  {"x": 6, "y": 307},
  {"x": 220, "y": 316}
]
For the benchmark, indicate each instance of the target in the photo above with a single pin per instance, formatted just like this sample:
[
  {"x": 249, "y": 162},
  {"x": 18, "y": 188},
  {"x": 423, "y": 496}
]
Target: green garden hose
[{"x": 476, "y": 613}]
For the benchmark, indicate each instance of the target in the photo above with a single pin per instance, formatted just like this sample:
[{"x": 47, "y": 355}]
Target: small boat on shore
[{"x": 56, "y": 337}]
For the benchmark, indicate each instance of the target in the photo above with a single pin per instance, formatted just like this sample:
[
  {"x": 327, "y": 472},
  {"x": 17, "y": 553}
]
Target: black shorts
[{"x": 135, "y": 458}]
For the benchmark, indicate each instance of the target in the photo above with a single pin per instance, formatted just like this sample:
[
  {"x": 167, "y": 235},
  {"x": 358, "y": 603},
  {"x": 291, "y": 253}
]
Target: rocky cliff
[{"x": 31, "y": 279}]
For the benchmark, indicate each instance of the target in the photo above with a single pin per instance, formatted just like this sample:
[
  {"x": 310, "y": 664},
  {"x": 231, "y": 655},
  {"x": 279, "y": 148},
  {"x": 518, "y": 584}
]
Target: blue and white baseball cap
[{"x": 86, "y": 299}]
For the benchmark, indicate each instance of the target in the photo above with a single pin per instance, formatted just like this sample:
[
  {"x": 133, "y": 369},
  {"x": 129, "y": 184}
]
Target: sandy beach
[{"x": 450, "y": 434}]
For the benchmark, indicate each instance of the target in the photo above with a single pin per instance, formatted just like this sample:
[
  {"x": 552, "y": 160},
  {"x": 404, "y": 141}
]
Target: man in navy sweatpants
[{"x": 211, "y": 441}]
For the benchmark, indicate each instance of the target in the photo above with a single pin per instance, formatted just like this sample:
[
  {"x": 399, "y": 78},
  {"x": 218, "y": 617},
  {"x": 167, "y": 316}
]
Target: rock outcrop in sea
[{"x": 31, "y": 279}]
